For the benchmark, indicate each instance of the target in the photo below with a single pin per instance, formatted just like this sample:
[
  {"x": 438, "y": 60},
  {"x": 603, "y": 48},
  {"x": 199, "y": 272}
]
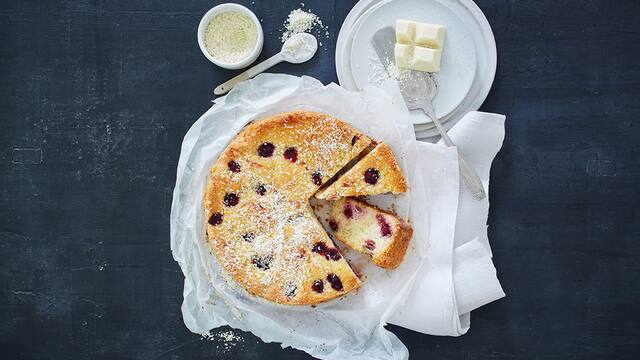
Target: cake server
[{"x": 418, "y": 91}]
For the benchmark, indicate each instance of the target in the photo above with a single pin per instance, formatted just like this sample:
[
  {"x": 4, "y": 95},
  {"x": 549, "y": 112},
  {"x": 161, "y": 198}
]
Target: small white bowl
[{"x": 228, "y": 7}]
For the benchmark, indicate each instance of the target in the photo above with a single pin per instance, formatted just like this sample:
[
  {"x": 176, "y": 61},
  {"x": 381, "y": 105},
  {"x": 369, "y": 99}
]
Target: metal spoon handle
[
  {"x": 248, "y": 74},
  {"x": 469, "y": 175}
]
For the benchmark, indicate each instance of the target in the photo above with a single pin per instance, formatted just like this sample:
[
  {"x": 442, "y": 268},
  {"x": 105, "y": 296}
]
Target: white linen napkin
[
  {"x": 458, "y": 275},
  {"x": 479, "y": 137}
]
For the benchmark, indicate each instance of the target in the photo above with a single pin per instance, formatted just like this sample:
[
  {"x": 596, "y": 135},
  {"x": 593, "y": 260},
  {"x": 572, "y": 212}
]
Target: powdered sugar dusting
[
  {"x": 266, "y": 238},
  {"x": 376, "y": 173}
]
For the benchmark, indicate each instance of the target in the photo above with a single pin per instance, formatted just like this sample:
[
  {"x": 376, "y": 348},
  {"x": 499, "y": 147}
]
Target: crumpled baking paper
[
  {"x": 351, "y": 326},
  {"x": 431, "y": 292}
]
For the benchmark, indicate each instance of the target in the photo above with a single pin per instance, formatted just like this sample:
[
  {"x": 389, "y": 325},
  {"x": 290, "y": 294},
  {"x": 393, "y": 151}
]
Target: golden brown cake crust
[
  {"x": 392, "y": 257},
  {"x": 260, "y": 226},
  {"x": 384, "y": 169}
]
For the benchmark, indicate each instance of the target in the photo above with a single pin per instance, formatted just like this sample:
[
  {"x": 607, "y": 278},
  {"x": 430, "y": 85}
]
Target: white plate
[
  {"x": 458, "y": 57},
  {"x": 485, "y": 49}
]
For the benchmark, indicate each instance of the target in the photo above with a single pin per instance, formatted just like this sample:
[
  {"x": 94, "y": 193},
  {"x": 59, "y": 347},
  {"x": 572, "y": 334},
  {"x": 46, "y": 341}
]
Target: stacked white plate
[{"x": 468, "y": 60}]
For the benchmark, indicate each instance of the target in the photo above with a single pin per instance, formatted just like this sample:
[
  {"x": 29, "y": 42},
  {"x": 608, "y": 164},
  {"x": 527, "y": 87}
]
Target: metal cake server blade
[
  {"x": 418, "y": 90},
  {"x": 383, "y": 42}
]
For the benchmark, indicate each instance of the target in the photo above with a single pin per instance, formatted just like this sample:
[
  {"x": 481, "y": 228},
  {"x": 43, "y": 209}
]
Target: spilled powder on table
[{"x": 227, "y": 340}]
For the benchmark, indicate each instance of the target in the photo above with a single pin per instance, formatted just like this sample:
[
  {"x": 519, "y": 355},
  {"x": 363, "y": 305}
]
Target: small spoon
[{"x": 287, "y": 53}]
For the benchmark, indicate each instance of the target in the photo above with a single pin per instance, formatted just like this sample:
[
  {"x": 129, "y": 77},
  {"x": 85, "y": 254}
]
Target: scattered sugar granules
[
  {"x": 379, "y": 72},
  {"x": 396, "y": 72},
  {"x": 226, "y": 339},
  {"x": 300, "y": 20}
]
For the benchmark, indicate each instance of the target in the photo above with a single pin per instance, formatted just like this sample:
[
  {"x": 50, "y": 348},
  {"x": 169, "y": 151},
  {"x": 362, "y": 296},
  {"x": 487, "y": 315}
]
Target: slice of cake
[
  {"x": 377, "y": 173},
  {"x": 369, "y": 230}
]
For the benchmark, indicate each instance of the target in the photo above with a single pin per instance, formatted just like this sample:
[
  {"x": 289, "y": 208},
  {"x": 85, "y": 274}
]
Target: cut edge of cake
[
  {"x": 376, "y": 173},
  {"x": 365, "y": 228}
]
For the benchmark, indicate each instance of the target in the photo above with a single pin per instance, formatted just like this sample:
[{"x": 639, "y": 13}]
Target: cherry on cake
[
  {"x": 369, "y": 230},
  {"x": 260, "y": 225},
  {"x": 377, "y": 173}
]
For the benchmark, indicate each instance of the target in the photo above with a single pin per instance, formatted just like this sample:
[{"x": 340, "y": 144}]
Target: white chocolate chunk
[
  {"x": 417, "y": 58},
  {"x": 421, "y": 34},
  {"x": 405, "y": 30},
  {"x": 403, "y": 55},
  {"x": 419, "y": 45},
  {"x": 429, "y": 35},
  {"x": 425, "y": 59}
]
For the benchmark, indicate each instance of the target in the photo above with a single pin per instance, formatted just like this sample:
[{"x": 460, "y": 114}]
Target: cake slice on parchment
[
  {"x": 369, "y": 230},
  {"x": 377, "y": 173}
]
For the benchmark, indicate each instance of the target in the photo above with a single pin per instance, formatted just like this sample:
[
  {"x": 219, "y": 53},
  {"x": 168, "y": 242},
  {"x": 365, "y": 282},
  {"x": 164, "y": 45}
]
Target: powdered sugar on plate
[{"x": 379, "y": 72}]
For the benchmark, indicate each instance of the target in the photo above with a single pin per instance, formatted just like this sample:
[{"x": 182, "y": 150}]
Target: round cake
[{"x": 260, "y": 225}]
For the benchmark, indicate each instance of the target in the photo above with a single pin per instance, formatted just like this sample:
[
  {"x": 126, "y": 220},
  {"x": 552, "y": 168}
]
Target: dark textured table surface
[{"x": 95, "y": 97}]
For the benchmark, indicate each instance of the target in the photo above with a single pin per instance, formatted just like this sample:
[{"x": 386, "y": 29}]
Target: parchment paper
[{"x": 351, "y": 327}]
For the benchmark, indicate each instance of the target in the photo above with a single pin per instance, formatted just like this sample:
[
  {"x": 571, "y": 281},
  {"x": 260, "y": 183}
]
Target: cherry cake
[
  {"x": 260, "y": 225},
  {"x": 369, "y": 230},
  {"x": 377, "y": 173}
]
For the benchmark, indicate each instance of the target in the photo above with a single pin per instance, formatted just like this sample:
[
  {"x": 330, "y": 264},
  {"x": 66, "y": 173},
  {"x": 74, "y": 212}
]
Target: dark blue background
[{"x": 95, "y": 97}]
